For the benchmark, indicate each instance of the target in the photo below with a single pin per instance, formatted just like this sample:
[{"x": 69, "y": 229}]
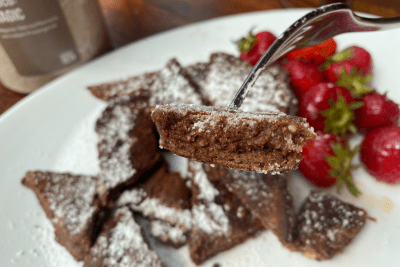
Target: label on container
[{"x": 36, "y": 37}]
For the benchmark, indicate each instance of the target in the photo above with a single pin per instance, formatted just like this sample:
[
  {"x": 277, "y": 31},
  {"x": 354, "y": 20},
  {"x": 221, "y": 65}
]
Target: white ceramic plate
[{"x": 52, "y": 129}]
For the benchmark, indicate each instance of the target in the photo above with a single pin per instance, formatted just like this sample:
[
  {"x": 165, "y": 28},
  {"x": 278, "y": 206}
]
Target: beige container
[{"x": 42, "y": 39}]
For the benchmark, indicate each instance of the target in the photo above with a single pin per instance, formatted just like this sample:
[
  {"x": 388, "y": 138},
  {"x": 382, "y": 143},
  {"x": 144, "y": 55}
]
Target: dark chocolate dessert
[
  {"x": 263, "y": 142},
  {"x": 326, "y": 225},
  {"x": 127, "y": 143},
  {"x": 165, "y": 199},
  {"x": 121, "y": 244},
  {"x": 220, "y": 220},
  {"x": 71, "y": 204},
  {"x": 221, "y": 77},
  {"x": 168, "y": 85},
  {"x": 266, "y": 196}
]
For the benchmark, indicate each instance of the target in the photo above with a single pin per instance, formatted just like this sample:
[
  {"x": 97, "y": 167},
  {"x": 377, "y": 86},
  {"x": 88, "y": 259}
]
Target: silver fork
[{"x": 315, "y": 27}]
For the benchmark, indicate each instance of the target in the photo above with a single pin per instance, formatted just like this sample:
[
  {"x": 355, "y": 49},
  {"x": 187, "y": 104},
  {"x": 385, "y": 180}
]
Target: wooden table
[{"x": 130, "y": 20}]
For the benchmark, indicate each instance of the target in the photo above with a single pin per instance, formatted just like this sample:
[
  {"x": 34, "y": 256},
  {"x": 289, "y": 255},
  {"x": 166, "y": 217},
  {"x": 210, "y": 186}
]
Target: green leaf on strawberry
[
  {"x": 342, "y": 167},
  {"x": 355, "y": 82},
  {"x": 342, "y": 56},
  {"x": 340, "y": 116},
  {"x": 338, "y": 57},
  {"x": 246, "y": 44}
]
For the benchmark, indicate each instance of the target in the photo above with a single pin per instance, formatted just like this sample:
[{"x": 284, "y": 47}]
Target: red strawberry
[
  {"x": 328, "y": 107},
  {"x": 352, "y": 69},
  {"x": 302, "y": 76},
  {"x": 377, "y": 111},
  {"x": 353, "y": 56},
  {"x": 253, "y": 47},
  {"x": 380, "y": 152},
  {"x": 316, "y": 54},
  {"x": 326, "y": 161}
]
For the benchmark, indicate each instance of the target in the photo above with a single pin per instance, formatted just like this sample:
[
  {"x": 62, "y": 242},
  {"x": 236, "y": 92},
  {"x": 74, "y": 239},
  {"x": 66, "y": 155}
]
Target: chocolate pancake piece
[
  {"x": 326, "y": 225},
  {"x": 221, "y": 77},
  {"x": 165, "y": 199},
  {"x": 106, "y": 91},
  {"x": 263, "y": 142},
  {"x": 220, "y": 220},
  {"x": 121, "y": 244},
  {"x": 198, "y": 74},
  {"x": 168, "y": 85},
  {"x": 266, "y": 196},
  {"x": 71, "y": 204},
  {"x": 127, "y": 143}
]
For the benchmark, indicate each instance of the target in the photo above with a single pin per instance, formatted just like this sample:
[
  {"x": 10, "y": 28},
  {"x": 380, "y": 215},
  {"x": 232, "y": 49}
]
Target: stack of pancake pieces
[{"x": 211, "y": 209}]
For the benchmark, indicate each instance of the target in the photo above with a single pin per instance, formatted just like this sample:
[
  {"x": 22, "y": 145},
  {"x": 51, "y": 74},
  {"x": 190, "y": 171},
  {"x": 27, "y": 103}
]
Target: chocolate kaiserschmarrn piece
[
  {"x": 266, "y": 196},
  {"x": 220, "y": 220},
  {"x": 127, "y": 143},
  {"x": 168, "y": 85},
  {"x": 221, "y": 77},
  {"x": 71, "y": 204},
  {"x": 263, "y": 142},
  {"x": 165, "y": 199},
  {"x": 326, "y": 225},
  {"x": 121, "y": 244}
]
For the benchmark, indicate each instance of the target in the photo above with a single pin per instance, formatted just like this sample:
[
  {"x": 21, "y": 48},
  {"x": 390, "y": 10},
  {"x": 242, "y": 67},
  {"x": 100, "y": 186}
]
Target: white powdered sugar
[
  {"x": 208, "y": 216},
  {"x": 131, "y": 85},
  {"x": 115, "y": 162},
  {"x": 226, "y": 74},
  {"x": 207, "y": 191},
  {"x": 123, "y": 245},
  {"x": 203, "y": 125},
  {"x": 70, "y": 198},
  {"x": 138, "y": 200},
  {"x": 124, "y": 87},
  {"x": 133, "y": 196},
  {"x": 172, "y": 86},
  {"x": 325, "y": 215},
  {"x": 167, "y": 232},
  {"x": 165, "y": 86},
  {"x": 252, "y": 185}
]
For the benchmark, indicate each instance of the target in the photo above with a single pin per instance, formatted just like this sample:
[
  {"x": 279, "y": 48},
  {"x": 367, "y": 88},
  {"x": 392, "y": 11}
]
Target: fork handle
[{"x": 378, "y": 23}]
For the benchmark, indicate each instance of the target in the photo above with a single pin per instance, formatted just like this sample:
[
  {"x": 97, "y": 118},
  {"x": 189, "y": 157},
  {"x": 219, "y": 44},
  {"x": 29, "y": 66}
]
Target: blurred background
[{"x": 126, "y": 21}]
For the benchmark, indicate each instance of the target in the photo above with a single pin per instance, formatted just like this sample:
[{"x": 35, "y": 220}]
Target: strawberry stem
[
  {"x": 341, "y": 56},
  {"x": 355, "y": 82},
  {"x": 338, "y": 57},
  {"x": 340, "y": 115},
  {"x": 246, "y": 44},
  {"x": 341, "y": 166}
]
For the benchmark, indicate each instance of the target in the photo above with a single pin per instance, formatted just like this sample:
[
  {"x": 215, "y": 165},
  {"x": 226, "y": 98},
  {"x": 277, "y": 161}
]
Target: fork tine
[{"x": 280, "y": 47}]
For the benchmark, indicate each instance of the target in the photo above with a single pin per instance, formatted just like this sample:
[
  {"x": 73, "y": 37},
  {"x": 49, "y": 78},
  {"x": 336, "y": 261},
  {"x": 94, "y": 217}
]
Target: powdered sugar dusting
[
  {"x": 133, "y": 196},
  {"x": 325, "y": 215},
  {"x": 165, "y": 86},
  {"x": 226, "y": 74},
  {"x": 172, "y": 86},
  {"x": 167, "y": 232},
  {"x": 211, "y": 219},
  {"x": 129, "y": 86},
  {"x": 70, "y": 198},
  {"x": 138, "y": 200},
  {"x": 207, "y": 191},
  {"x": 123, "y": 245},
  {"x": 208, "y": 216},
  {"x": 252, "y": 184},
  {"x": 115, "y": 162}
]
